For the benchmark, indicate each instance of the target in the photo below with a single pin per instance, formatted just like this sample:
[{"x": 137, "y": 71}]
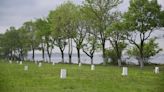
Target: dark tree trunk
[
  {"x": 91, "y": 60},
  {"x": 70, "y": 51},
  {"x": 104, "y": 58},
  {"x": 62, "y": 54},
  {"x": 78, "y": 55},
  {"x": 43, "y": 57},
  {"x": 33, "y": 54},
  {"x": 141, "y": 61}
]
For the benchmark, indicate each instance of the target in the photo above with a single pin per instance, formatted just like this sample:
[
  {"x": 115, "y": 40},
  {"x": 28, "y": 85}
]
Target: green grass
[{"x": 13, "y": 78}]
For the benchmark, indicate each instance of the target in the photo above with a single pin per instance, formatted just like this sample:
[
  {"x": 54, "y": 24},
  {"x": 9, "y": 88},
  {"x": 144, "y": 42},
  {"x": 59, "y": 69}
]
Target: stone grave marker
[
  {"x": 92, "y": 67},
  {"x": 10, "y": 61},
  {"x": 53, "y": 63},
  {"x": 20, "y": 63},
  {"x": 156, "y": 70},
  {"x": 26, "y": 67},
  {"x": 124, "y": 71},
  {"x": 63, "y": 73},
  {"x": 40, "y": 64},
  {"x": 79, "y": 64}
]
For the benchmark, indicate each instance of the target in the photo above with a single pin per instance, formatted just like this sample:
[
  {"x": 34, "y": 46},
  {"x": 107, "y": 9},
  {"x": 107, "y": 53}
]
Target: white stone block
[
  {"x": 124, "y": 71},
  {"x": 156, "y": 70},
  {"x": 53, "y": 63},
  {"x": 40, "y": 64},
  {"x": 63, "y": 73},
  {"x": 79, "y": 64},
  {"x": 92, "y": 67},
  {"x": 10, "y": 61},
  {"x": 20, "y": 63},
  {"x": 17, "y": 62},
  {"x": 26, "y": 67}
]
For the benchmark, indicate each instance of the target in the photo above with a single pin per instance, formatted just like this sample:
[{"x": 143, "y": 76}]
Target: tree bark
[
  {"x": 78, "y": 55},
  {"x": 70, "y": 50},
  {"x": 33, "y": 54},
  {"x": 91, "y": 60}
]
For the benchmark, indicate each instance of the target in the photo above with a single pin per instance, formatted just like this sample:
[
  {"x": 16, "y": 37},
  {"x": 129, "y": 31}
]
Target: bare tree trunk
[
  {"x": 33, "y": 54},
  {"x": 43, "y": 57},
  {"x": 70, "y": 50},
  {"x": 91, "y": 60},
  {"x": 78, "y": 55},
  {"x": 104, "y": 58}
]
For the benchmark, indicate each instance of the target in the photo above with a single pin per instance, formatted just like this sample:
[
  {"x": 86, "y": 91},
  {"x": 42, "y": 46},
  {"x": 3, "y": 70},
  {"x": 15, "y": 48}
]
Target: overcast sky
[{"x": 16, "y": 12}]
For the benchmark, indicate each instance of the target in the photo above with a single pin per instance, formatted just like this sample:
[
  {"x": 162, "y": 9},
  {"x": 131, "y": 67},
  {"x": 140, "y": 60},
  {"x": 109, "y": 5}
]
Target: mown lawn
[{"x": 13, "y": 78}]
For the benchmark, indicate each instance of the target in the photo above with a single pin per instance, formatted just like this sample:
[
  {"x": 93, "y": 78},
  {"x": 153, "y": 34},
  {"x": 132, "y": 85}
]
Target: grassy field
[{"x": 13, "y": 78}]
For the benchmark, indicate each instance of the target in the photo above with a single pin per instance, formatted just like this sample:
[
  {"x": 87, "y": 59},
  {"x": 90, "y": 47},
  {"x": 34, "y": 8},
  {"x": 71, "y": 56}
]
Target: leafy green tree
[
  {"x": 30, "y": 27},
  {"x": 101, "y": 14},
  {"x": 23, "y": 45},
  {"x": 162, "y": 18},
  {"x": 90, "y": 46},
  {"x": 81, "y": 31},
  {"x": 150, "y": 49},
  {"x": 62, "y": 21},
  {"x": 44, "y": 34},
  {"x": 10, "y": 43},
  {"x": 117, "y": 40},
  {"x": 140, "y": 21}
]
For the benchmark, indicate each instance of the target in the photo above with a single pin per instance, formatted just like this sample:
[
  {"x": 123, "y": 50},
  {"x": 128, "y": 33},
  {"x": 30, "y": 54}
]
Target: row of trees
[{"x": 89, "y": 26}]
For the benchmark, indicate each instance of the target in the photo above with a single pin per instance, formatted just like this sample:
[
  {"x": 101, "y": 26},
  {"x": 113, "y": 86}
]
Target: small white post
[
  {"x": 79, "y": 64},
  {"x": 92, "y": 67},
  {"x": 36, "y": 62},
  {"x": 53, "y": 63},
  {"x": 124, "y": 71},
  {"x": 17, "y": 62},
  {"x": 26, "y": 67},
  {"x": 40, "y": 64},
  {"x": 63, "y": 73},
  {"x": 10, "y": 61},
  {"x": 156, "y": 70},
  {"x": 20, "y": 63}
]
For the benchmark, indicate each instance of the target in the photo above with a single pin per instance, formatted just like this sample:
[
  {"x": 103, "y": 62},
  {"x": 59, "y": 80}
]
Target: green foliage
[
  {"x": 113, "y": 54},
  {"x": 142, "y": 18},
  {"x": 100, "y": 15},
  {"x": 151, "y": 48},
  {"x": 162, "y": 18},
  {"x": 142, "y": 15},
  {"x": 15, "y": 43}
]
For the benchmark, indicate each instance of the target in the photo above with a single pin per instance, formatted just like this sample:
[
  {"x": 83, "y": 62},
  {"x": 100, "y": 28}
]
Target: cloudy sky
[{"x": 16, "y": 12}]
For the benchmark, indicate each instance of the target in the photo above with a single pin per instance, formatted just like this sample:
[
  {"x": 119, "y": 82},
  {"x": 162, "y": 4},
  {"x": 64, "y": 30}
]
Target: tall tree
[
  {"x": 140, "y": 20},
  {"x": 102, "y": 14},
  {"x": 81, "y": 30},
  {"x": 62, "y": 21},
  {"x": 31, "y": 28},
  {"x": 90, "y": 46},
  {"x": 151, "y": 48},
  {"x": 116, "y": 37},
  {"x": 44, "y": 34}
]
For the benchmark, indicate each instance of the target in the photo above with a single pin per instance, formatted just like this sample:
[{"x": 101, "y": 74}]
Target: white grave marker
[
  {"x": 40, "y": 64},
  {"x": 92, "y": 67},
  {"x": 124, "y": 71},
  {"x": 10, "y": 61},
  {"x": 26, "y": 67},
  {"x": 79, "y": 64},
  {"x": 63, "y": 74},
  {"x": 35, "y": 62},
  {"x": 156, "y": 70},
  {"x": 17, "y": 62},
  {"x": 20, "y": 63},
  {"x": 53, "y": 63}
]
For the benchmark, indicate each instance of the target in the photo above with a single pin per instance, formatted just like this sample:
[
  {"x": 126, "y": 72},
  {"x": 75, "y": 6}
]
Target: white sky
[{"x": 16, "y": 12}]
